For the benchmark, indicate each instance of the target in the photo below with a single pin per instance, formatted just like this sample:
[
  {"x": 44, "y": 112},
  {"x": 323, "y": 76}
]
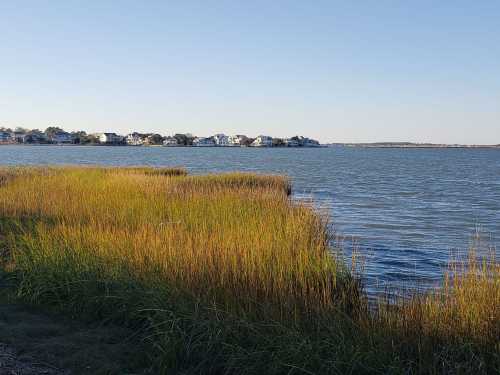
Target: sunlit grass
[
  {"x": 452, "y": 329},
  {"x": 468, "y": 304}
]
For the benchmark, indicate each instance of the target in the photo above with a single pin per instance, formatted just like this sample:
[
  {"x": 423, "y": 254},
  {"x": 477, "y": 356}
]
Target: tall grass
[
  {"x": 225, "y": 274},
  {"x": 452, "y": 329}
]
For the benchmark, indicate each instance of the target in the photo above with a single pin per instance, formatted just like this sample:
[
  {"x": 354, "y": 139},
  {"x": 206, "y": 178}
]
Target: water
[{"x": 406, "y": 209}]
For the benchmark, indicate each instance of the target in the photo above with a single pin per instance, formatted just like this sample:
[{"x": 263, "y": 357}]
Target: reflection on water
[{"x": 406, "y": 209}]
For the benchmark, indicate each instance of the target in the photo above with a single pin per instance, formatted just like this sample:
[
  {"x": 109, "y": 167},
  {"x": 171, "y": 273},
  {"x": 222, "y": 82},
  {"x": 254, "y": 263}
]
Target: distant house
[
  {"x": 221, "y": 140},
  {"x": 233, "y": 140},
  {"x": 62, "y": 138},
  {"x": 307, "y": 142},
  {"x": 18, "y": 137},
  {"x": 204, "y": 142},
  {"x": 110, "y": 138},
  {"x": 300, "y": 141},
  {"x": 35, "y": 136},
  {"x": 170, "y": 142},
  {"x": 135, "y": 139},
  {"x": 291, "y": 142},
  {"x": 237, "y": 140},
  {"x": 262, "y": 141},
  {"x": 5, "y": 137}
]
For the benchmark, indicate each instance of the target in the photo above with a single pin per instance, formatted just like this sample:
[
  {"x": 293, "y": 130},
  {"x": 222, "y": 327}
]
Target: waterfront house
[
  {"x": 135, "y": 139},
  {"x": 110, "y": 138},
  {"x": 262, "y": 141},
  {"x": 237, "y": 140},
  {"x": 233, "y": 140},
  {"x": 307, "y": 142},
  {"x": 301, "y": 142},
  {"x": 35, "y": 136},
  {"x": 5, "y": 137},
  {"x": 62, "y": 137},
  {"x": 18, "y": 136},
  {"x": 204, "y": 142},
  {"x": 170, "y": 142},
  {"x": 221, "y": 140},
  {"x": 291, "y": 142}
]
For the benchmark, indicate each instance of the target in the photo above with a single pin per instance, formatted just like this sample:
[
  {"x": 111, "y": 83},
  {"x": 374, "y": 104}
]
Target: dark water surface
[{"x": 406, "y": 208}]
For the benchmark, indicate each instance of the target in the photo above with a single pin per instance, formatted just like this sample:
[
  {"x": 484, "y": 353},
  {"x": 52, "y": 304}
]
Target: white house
[
  {"x": 135, "y": 139},
  {"x": 236, "y": 140},
  {"x": 18, "y": 137},
  {"x": 263, "y": 141},
  {"x": 204, "y": 142},
  {"x": 221, "y": 140},
  {"x": 289, "y": 142},
  {"x": 170, "y": 142},
  {"x": 110, "y": 138}
]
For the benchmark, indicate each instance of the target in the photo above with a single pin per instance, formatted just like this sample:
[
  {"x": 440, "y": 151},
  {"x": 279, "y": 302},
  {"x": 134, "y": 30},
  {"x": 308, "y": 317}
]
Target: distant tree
[
  {"x": 155, "y": 139},
  {"x": 80, "y": 137},
  {"x": 182, "y": 139},
  {"x": 3, "y": 129},
  {"x": 52, "y": 130},
  {"x": 20, "y": 129},
  {"x": 92, "y": 139},
  {"x": 246, "y": 141}
]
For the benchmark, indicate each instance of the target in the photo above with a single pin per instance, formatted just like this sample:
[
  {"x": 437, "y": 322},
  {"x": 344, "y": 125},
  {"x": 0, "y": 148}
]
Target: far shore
[
  {"x": 353, "y": 145},
  {"x": 158, "y": 146},
  {"x": 408, "y": 145}
]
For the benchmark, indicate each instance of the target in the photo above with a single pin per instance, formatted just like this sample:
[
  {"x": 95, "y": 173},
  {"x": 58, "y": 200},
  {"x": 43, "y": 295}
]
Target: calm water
[{"x": 406, "y": 209}]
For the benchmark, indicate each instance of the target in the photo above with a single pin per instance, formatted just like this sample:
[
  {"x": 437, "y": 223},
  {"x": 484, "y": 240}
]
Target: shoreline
[
  {"x": 158, "y": 146},
  {"x": 410, "y": 145},
  {"x": 329, "y": 145}
]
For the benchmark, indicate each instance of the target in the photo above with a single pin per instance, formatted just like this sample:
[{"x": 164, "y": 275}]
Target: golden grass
[
  {"x": 466, "y": 306},
  {"x": 234, "y": 239},
  {"x": 454, "y": 329}
]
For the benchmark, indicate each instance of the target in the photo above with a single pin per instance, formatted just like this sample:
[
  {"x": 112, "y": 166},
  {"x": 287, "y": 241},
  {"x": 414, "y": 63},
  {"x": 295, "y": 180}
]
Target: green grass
[{"x": 225, "y": 274}]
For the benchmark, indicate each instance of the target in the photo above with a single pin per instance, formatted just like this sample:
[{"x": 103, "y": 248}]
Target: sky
[{"x": 351, "y": 71}]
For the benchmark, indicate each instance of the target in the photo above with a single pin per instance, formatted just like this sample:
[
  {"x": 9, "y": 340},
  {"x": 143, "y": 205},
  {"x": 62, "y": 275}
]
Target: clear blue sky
[{"x": 336, "y": 71}]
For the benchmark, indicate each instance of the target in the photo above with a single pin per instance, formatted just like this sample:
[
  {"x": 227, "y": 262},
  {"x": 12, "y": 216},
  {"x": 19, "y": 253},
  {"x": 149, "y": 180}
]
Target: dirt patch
[
  {"x": 11, "y": 364},
  {"x": 34, "y": 340}
]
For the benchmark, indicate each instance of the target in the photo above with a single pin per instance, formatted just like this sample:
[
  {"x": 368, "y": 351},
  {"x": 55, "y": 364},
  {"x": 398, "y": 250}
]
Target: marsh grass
[
  {"x": 451, "y": 329},
  {"x": 225, "y": 274}
]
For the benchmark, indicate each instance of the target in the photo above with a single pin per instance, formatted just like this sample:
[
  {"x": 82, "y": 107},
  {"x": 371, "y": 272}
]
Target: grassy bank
[{"x": 225, "y": 274}]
